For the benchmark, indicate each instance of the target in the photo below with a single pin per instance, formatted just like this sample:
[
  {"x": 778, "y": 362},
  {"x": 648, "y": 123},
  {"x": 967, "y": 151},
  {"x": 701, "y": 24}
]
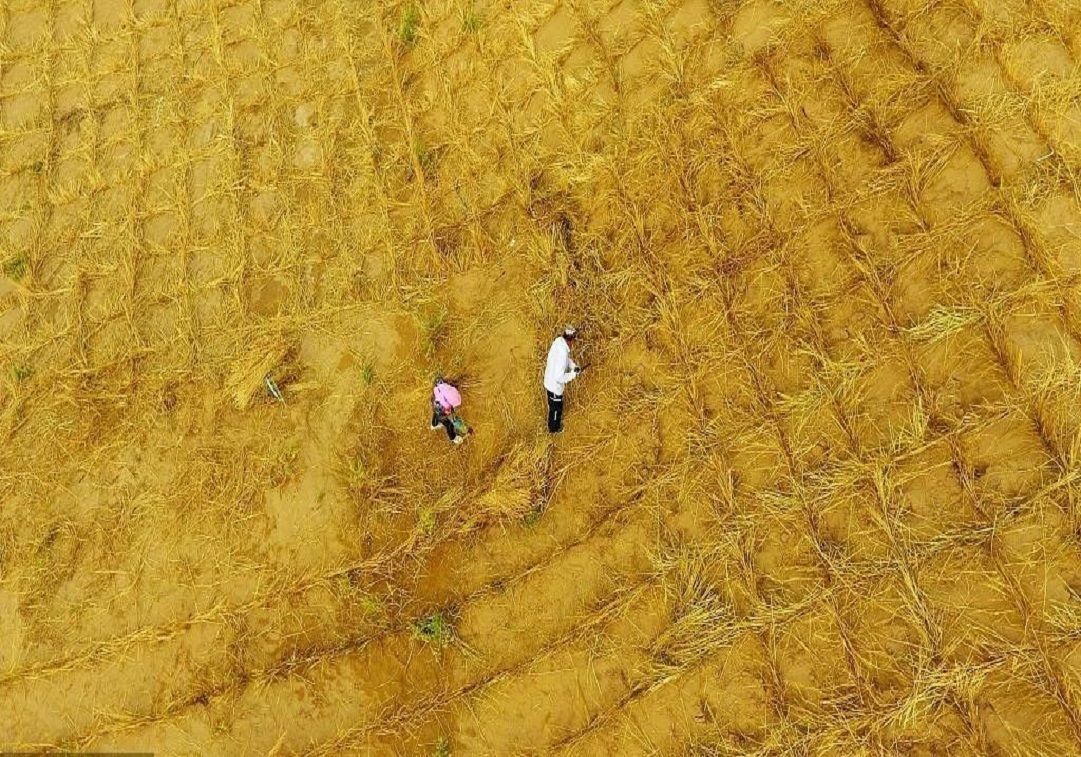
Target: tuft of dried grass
[{"x": 246, "y": 380}]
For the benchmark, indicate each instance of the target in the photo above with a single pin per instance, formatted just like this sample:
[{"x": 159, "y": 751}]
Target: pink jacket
[{"x": 447, "y": 397}]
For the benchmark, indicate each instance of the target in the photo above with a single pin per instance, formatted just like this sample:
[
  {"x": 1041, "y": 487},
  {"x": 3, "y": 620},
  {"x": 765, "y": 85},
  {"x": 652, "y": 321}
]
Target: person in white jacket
[{"x": 559, "y": 372}]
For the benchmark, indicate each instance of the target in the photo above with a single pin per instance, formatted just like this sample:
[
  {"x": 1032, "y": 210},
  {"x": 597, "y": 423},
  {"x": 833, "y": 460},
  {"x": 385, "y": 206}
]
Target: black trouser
[
  {"x": 448, "y": 424},
  {"x": 555, "y": 412}
]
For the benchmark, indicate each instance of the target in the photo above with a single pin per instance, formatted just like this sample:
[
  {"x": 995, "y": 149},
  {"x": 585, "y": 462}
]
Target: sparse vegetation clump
[
  {"x": 409, "y": 24},
  {"x": 471, "y": 20},
  {"x": 434, "y": 629},
  {"x": 15, "y": 267},
  {"x": 817, "y": 489}
]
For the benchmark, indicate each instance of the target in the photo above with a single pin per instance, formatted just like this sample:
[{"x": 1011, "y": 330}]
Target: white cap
[{"x": 569, "y": 331}]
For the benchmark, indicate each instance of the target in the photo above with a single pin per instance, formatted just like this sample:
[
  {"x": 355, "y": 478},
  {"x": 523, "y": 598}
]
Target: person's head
[
  {"x": 570, "y": 334},
  {"x": 438, "y": 380}
]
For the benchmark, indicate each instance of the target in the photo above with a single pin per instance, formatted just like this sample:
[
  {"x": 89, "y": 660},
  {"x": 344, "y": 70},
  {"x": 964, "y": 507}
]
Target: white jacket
[{"x": 560, "y": 369}]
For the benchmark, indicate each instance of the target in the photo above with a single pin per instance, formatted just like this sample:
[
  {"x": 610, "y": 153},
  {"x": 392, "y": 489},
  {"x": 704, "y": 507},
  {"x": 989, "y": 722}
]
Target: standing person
[
  {"x": 559, "y": 371},
  {"x": 445, "y": 402}
]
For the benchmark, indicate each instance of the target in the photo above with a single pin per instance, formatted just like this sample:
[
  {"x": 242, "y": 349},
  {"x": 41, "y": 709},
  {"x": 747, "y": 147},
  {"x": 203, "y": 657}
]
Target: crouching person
[{"x": 446, "y": 399}]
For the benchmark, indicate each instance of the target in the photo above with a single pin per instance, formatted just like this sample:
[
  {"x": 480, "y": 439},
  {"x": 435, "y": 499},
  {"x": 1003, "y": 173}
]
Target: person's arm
[{"x": 572, "y": 371}]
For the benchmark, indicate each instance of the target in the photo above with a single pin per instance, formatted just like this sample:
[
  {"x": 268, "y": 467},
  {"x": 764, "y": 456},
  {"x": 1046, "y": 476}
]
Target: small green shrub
[
  {"x": 471, "y": 21},
  {"x": 15, "y": 268},
  {"x": 532, "y": 517},
  {"x": 426, "y": 520},
  {"x": 407, "y": 27},
  {"x": 436, "y": 629}
]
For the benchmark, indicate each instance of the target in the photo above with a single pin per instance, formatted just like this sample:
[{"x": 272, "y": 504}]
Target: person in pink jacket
[{"x": 445, "y": 402}]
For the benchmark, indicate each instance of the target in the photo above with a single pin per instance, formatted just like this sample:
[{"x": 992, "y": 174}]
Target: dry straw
[{"x": 641, "y": 214}]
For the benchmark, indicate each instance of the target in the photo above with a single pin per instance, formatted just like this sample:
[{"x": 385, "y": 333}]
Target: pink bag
[{"x": 447, "y": 396}]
